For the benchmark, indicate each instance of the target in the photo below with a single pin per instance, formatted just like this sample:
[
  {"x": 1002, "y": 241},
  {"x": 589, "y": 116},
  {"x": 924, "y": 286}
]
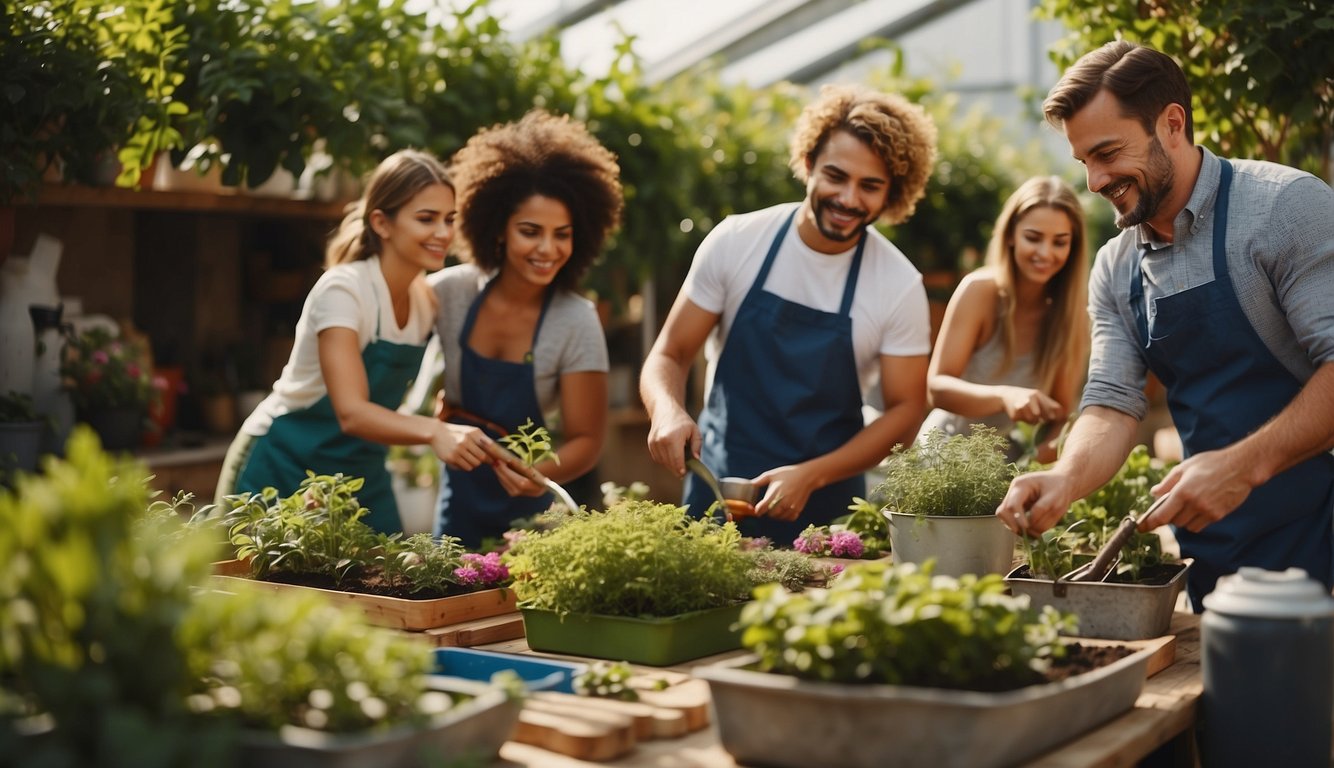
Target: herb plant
[
  {"x": 606, "y": 679},
  {"x": 903, "y": 626},
  {"x": 639, "y": 558},
  {"x": 959, "y": 476},
  {"x": 1092, "y": 520},
  {"x": 793, "y": 570},
  {"x": 530, "y": 443},
  {"x": 866, "y": 519}
]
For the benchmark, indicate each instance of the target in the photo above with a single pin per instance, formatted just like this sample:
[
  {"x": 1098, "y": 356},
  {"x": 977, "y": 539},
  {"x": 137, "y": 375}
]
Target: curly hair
[
  {"x": 541, "y": 154},
  {"x": 897, "y": 130}
]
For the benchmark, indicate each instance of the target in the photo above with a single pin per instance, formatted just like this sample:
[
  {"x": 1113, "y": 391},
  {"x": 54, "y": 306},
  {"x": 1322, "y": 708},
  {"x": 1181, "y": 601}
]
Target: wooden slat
[{"x": 467, "y": 634}]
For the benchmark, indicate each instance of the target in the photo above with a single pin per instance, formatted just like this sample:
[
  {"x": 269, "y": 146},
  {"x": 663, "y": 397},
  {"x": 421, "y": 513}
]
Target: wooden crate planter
[{"x": 393, "y": 612}]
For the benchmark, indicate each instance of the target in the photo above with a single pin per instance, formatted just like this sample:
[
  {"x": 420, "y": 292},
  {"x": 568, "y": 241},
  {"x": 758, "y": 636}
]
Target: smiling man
[
  {"x": 1222, "y": 284},
  {"x": 803, "y": 306}
]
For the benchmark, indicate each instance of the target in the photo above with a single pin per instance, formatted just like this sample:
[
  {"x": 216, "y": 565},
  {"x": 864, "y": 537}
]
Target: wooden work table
[{"x": 1162, "y": 721}]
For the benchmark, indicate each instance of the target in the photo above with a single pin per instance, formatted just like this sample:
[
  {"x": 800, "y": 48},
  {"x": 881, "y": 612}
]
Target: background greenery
[{"x": 262, "y": 85}]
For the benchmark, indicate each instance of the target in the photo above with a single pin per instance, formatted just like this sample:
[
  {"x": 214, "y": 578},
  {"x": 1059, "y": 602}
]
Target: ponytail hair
[{"x": 394, "y": 183}]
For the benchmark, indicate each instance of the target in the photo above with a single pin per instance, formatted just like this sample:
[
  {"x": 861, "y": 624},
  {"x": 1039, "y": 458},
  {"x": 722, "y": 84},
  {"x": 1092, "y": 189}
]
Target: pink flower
[
  {"x": 100, "y": 357},
  {"x": 467, "y": 575},
  {"x": 835, "y": 569},
  {"x": 482, "y": 569},
  {"x": 845, "y": 544},
  {"x": 132, "y": 370},
  {"x": 812, "y": 541}
]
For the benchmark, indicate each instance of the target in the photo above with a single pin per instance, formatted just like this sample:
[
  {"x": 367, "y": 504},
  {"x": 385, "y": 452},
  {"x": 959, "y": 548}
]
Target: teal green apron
[{"x": 311, "y": 438}]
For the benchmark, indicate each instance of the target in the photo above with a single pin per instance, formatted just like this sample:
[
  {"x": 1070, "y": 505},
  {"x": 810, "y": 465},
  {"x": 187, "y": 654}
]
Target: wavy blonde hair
[
  {"x": 898, "y": 131},
  {"x": 1063, "y": 341}
]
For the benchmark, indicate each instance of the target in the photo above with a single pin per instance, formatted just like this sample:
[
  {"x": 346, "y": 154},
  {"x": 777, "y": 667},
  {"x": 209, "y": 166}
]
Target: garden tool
[
  {"x": 503, "y": 454},
  {"x": 704, "y": 473},
  {"x": 1110, "y": 553}
]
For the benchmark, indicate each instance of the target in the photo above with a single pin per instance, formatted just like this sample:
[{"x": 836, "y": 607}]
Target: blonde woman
[
  {"x": 359, "y": 342},
  {"x": 1014, "y": 343}
]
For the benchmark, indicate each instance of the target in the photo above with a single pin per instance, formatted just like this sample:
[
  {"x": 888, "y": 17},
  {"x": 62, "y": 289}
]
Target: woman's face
[
  {"x": 539, "y": 238},
  {"x": 421, "y": 231},
  {"x": 1041, "y": 245}
]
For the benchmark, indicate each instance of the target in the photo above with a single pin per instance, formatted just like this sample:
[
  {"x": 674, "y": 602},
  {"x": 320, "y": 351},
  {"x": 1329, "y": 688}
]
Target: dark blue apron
[
  {"x": 311, "y": 438},
  {"x": 786, "y": 390},
  {"x": 1222, "y": 384},
  {"x": 501, "y": 393}
]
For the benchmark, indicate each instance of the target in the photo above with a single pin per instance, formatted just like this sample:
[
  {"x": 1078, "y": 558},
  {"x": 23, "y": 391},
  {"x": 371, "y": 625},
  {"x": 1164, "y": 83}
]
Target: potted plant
[
  {"x": 111, "y": 383},
  {"x": 941, "y": 498},
  {"x": 97, "y": 581},
  {"x": 892, "y": 665},
  {"x": 20, "y": 436},
  {"x": 1136, "y": 599},
  {"x": 314, "y": 540},
  {"x": 642, "y": 582}
]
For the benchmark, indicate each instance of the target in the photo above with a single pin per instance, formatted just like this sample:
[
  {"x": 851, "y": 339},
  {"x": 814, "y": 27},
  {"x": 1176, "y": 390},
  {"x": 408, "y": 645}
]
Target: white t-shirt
[
  {"x": 352, "y": 295},
  {"x": 889, "y": 307}
]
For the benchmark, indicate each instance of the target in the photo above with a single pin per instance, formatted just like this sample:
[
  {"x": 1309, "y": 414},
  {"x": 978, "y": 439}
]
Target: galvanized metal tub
[
  {"x": 960, "y": 545},
  {"x": 1107, "y": 610},
  {"x": 780, "y": 720}
]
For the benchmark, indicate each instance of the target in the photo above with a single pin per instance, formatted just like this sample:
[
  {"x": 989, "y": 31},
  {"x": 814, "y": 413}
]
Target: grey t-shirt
[
  {"x": 571, "y": 339},
  {"x": 1280, "y": 256}
]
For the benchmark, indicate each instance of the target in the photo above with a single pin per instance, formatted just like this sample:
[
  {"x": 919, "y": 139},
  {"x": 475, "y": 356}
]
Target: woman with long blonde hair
[
  {"x": 1014, "y": 343},
  {"x": 359, "y": 342}
]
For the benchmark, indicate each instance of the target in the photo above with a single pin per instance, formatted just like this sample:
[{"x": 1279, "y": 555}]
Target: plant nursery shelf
[{"x": 204, "y": 202}]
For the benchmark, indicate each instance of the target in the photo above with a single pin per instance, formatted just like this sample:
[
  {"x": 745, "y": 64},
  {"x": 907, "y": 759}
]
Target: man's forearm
[{"x": 1096, "y": 448}]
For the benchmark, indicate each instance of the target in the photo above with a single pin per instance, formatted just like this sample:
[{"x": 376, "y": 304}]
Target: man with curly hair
[
  {"x": 537, "y": 200},
  {"x": 803, "y": 306}
]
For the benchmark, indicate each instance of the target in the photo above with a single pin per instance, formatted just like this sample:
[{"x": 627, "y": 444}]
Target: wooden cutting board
[
  {"x": 581, "y": 733},
  {"x": 650, "y": 722}
]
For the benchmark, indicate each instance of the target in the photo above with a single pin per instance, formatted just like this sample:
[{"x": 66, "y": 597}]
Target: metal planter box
[
  {"x": 473, "y": 730},
  {"x": 960, "y": 545},
  {"x": 1106, "y": 610},
  {"x": 657, "y": 641},
  {"x": 780, "y": 720}
]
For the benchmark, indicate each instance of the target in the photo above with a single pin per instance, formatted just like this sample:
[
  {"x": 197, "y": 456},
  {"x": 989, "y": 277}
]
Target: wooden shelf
[{"x": 203, "y": 202}]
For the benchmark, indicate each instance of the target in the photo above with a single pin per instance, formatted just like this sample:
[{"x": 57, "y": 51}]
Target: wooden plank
[
  {"x": 467, "y": 634},
  {"x": 578, "y": 737},
  {"x": 691, "y": 698},
  {"x": 400, "y": 613},
  {"x": 641, "y": 714}
]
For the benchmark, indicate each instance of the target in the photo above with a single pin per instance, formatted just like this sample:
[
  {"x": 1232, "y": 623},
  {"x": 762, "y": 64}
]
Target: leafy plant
[
  {"x": 420, "y": 563},
  {"x": 638, "y": 558},
  {"x": 959, "y": 476},
  {"x": 903, "y": 626},
  {"x": 317, "y": 529},
  {"x": 268, "y": 661},
  {"x": 1090, "y": 521},
  {"x": 16, "y": 408},
  {"x": 614, "y": 494},
  {"x": 91, "y": 592},
  {"x": 606, "y": 679},
  {"x": 530, "y": 443},
  {"x": 793, "y": 570}
]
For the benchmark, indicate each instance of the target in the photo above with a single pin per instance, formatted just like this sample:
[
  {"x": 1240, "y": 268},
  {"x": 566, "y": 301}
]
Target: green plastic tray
[{"x": 657, "y": 642}]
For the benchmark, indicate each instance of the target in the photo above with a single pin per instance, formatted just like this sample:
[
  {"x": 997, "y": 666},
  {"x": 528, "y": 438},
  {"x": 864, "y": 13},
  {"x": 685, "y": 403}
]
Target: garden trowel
[
  {"x": 503, "y": 454},
  {"x": 1111, "y": 550}
]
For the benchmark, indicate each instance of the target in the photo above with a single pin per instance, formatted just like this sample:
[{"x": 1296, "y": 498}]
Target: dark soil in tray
[
  {"x": 1080, "y": 658},
  {"x": 363, "y": 582}
]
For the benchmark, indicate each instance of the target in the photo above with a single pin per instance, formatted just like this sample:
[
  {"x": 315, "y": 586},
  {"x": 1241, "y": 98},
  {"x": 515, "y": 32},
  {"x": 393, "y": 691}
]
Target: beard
[
  {"x": 1158, "y": 178},
  {"x": 821, "y": 207}
]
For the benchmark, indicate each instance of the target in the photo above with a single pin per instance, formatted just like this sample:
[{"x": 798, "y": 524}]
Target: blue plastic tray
[{"x": 537, "y": 674}]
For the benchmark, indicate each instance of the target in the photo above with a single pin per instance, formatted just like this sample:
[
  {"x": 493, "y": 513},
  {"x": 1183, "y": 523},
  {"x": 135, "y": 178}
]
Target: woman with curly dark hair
[
  {"x": 537, "y": 200},
  {"x": 802, "y": 306}
]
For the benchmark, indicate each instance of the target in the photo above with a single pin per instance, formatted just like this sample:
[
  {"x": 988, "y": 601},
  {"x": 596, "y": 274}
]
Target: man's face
[
  {"x": 1125, "y": 164},
  {"x": 847, "y": 188}
]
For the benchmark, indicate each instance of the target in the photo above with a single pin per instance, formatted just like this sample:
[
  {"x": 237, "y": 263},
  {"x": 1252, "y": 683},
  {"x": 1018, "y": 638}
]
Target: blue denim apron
[
  {"x": 786, "y": 390},
  {"x": 311, "y": 438},
  {"x": 1222, "y": 384},
  {"x": 502, "y": 393}
]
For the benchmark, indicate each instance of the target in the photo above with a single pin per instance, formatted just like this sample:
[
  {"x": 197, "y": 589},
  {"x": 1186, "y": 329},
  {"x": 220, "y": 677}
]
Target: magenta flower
[
  {"x": 467, "y": 575},
  {"x": 812, "y": 541},
  {"x": 845, "y": 544},
  {"x": 482, "y": 569},
  {"x": 100, "y": 357}
]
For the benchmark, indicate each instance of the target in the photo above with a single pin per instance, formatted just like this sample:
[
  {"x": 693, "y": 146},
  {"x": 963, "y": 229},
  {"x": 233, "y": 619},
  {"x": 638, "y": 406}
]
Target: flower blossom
[
  {"x": 812, "y": 541},
  {"x": 845, "y": 544},
  {"x": 481, "y": 569}
]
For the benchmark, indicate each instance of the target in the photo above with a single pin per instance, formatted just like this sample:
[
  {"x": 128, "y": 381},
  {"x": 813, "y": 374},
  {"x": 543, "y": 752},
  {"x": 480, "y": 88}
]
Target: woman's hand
[
  {"x": 789, "y": 488},
  {"x": 1030, "y": 405},
  {"x": 460, "y": 446},
  {"x": 516, "y": 484}
]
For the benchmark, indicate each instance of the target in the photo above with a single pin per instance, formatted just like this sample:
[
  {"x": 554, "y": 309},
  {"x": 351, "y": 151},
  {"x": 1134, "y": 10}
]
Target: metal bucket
[{"x": 960, "y": 545}]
